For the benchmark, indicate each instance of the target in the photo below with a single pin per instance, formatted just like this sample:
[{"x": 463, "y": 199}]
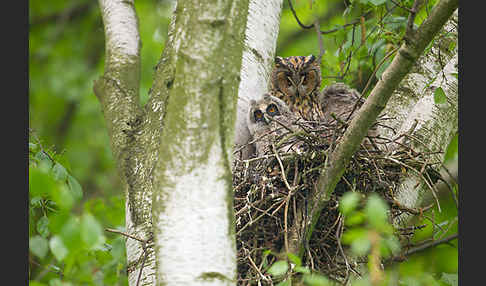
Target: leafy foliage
[{"x": 67, "y": 244}]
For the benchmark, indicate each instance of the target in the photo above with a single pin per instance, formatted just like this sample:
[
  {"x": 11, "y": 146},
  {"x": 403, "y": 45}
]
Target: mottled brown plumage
[{"x": 297, "y": 80}]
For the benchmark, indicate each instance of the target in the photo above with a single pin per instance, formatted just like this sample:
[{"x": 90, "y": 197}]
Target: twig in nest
[
  {"x": 421, "y": 175},
  {"x": 282, "y": 171}
]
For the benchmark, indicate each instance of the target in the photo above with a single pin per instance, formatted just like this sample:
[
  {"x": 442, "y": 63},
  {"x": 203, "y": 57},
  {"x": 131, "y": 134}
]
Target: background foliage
[{"x": 74, "y": 190}]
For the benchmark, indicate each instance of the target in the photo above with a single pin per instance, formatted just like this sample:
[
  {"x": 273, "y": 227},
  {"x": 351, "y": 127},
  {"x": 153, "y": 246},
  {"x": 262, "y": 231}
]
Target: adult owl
[
  {"x": 297, "y": 80},
  {"x": 268, "y": 119}
]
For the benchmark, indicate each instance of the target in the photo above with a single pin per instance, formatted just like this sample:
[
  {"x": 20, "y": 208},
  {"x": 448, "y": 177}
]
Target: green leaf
[
  {"x": 348, "y": 202},
  {"x": 39, "y": 246},
  {"x": 58, "y": 248},
  {"x": 361, "y": 246},
  {"x": 439, "y": 96},
  {"x": 452, "y": 149},
  {"x": 294, "y": 259},
  {"x": 91, "y": 231},
  {"x": 59, "y": 172},
  {"x": 390, "y": 245},
  {"x": 58, "y": 220},
  {"x": 75, "y": 187},
  {"x": 33, "y": 147},
  {"x": 355, "y": 218},
  {"x": 118, "y": 249},
  {"x": 71, "y": 233},
  {"x": 377, "y": 2},
  {"x": 44, "y": 159},
  {"x": 353, "y": 234},
  {"x": 376, "y": 212},
  {"x": 316, "y": 280},
  {"x": 43, "y": 226},
  {"x": 59, "y": 282},
  {"x": 40, "y": 182},
  {"x": 278, "y": 268},
  {"x": 63, "y": 197},
  {"x": 450, "y": 279},
  {"x": 286, "y": 282},
  {"x": 36, "y": 201},
  {"x": 302, "y": 269}
]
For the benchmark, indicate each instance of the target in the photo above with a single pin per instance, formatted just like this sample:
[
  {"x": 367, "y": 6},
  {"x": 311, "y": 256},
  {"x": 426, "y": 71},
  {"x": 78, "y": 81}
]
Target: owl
[
  {"x": 338, "y": 101},
  {"x": 297, "y": 80},
  {"x": 265, "y": 119},
  {"x": 341, "y": 103}
]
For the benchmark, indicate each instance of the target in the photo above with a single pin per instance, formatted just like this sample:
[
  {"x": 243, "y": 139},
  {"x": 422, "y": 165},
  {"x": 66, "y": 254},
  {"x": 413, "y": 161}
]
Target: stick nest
[{"x": 271, "y": 190}]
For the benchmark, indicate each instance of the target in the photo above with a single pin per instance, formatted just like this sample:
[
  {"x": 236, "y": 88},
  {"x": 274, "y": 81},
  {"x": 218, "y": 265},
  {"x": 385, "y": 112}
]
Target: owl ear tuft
[
  {"x": 311, "y": 58},
  {"x": 278, "y": 60}
]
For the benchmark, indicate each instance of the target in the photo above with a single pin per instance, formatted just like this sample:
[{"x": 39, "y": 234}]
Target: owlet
[{"x": 265, "y": 119}]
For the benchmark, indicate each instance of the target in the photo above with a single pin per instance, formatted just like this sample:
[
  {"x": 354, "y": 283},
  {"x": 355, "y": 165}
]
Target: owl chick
[
  {"x": 341, "y": 103},
  {"x": 269, "y": 118},
  {"x": 338, "y": 101},
  {"x": 297, "y": 80}
]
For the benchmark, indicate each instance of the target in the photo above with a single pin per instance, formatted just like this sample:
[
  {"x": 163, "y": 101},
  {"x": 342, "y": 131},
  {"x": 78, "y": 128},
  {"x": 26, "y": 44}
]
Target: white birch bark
[
  {"x": 413, "y": 103},
  {"x": 118, "y": 93},
  {"x": 193, "y": 218},
  {"x": 258, "y": 58}
]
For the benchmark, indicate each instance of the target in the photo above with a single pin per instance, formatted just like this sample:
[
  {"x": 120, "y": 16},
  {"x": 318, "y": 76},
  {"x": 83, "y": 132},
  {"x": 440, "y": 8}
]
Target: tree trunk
[
  {"x": 413, "y": 106},
  {"x": 193, "y": 202}
]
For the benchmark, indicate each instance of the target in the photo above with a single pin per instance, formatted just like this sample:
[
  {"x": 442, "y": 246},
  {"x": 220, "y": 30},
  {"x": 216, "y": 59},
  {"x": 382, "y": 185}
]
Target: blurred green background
[{"x": 68, "y": 133}]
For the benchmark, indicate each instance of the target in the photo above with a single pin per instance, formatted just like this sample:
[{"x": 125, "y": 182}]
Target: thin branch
[
  {"x": 319, "y": 37},
  {"x": 352, "y": 23},
  {"x": 401, "y": 6},
  {"x": 125, "y": 234},
  {"x": 297, "y": 18},
  {"x": 420, "y": 248},
  {"x": 411, "y": 18},
  {"x": 118, "y": 89}
]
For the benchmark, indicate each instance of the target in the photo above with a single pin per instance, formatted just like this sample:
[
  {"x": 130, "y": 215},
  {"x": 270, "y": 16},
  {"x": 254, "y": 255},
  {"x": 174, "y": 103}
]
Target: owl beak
[
  {"x": 292, "y": 81},
  {"x": 266, "y": 119}
]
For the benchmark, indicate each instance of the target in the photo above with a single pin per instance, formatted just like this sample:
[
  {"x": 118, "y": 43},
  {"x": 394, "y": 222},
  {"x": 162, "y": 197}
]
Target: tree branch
[
  {"x": 411, "y": 17},
  {"x": 118, "y": 89},
  {"x": 419, "y": 248},
  {"x": 376, "y": 102}
]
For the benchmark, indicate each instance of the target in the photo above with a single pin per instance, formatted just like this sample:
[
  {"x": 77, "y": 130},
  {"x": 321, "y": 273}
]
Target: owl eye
[
  {"x": 272, "y": 110},
  {"x": 258, "y": 115},
  {"x": 289, "y": 83}
]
